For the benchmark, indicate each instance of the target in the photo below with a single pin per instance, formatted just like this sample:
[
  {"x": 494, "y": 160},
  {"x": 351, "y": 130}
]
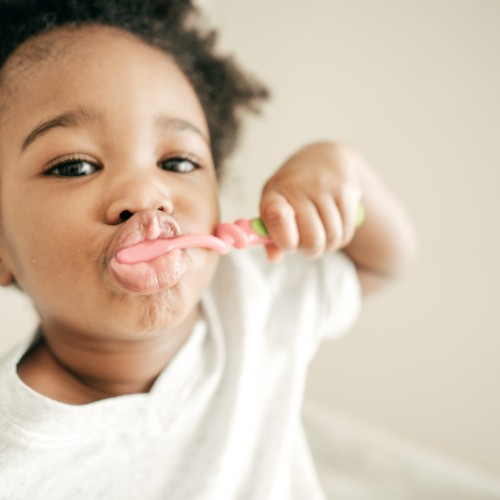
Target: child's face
[{"x": 128, "y": 108}]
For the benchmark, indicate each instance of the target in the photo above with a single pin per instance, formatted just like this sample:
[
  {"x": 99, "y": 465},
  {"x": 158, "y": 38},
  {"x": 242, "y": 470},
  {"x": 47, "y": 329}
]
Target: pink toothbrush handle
[
  {"x": 240, "y": 235},
  {"x": 243, "y": 233}
]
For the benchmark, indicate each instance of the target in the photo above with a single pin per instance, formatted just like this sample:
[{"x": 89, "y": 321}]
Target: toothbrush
[{"x": 240, "y": 234}]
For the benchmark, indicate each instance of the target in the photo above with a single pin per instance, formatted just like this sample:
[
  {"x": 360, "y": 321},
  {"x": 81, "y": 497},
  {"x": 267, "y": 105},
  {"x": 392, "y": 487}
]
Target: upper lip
[{"x": 144, "y": 225}]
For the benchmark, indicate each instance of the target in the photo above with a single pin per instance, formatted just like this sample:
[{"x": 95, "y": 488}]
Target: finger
[
  {"x": 274, "y": 254},
  {"x": 332, "y": 222},
  {"x": 311, "y": 231},
  {"x": 279, "y": 218},
  {"x": 348, "y": 204}
]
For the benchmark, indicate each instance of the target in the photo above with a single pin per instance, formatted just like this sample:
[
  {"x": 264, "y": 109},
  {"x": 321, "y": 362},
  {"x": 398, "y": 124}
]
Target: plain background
[{"x": 414, "y": 86}]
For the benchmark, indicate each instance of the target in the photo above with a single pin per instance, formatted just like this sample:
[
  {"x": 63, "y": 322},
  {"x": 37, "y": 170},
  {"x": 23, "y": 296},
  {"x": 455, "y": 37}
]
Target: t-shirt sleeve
[
  {"x": 316, "y": 299},
  {"x": 339, "y": 295}
]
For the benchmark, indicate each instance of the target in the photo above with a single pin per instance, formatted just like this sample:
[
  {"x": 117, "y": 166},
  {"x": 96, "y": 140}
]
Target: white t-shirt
[{"x": 221, "y": 422}]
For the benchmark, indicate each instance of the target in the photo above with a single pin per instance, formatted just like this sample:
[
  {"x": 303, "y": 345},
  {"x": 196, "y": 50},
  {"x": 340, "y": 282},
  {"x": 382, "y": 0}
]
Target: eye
[
  {"x": 181, "y": 165},
  {"x": 72, "y": 168}
]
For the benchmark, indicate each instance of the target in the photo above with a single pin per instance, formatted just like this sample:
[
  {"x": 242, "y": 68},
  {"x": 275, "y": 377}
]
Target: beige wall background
[{"x": 414, "y": 86}]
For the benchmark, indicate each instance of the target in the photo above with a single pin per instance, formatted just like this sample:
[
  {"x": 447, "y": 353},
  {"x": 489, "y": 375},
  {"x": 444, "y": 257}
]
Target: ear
[{"x": 6, "y": 277}]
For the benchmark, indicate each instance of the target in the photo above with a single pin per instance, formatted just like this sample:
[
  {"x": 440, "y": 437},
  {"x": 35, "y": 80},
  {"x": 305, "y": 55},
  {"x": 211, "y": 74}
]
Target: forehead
[{"x": 93, "y": 65}]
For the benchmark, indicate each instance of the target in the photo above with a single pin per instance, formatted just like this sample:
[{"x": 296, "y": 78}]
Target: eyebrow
[
  {"x": 74, "y": 118},
  {"x": 177, "y": 124}
]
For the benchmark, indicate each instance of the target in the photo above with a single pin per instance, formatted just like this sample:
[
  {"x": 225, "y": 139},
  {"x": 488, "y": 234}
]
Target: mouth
[
  {"x": 149, "y": 277},
  {"x": 158, "y": 274}
]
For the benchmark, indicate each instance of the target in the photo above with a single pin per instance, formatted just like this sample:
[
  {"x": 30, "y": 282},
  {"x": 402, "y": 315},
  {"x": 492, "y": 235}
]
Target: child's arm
[{"x": 310, "y": 205}]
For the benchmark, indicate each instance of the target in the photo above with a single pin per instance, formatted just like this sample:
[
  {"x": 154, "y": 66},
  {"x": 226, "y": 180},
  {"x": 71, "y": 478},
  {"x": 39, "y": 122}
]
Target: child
[{"x": 180, "y": 378}]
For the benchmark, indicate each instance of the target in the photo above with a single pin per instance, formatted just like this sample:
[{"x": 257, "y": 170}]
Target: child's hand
[{"x": 310, "y": 204}]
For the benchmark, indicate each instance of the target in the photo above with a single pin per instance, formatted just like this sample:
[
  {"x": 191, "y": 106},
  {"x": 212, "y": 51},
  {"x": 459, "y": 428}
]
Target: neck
[{"x": 80, "y": 370}]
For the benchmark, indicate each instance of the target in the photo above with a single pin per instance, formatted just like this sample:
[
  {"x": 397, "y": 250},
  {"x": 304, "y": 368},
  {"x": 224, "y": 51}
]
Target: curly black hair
[{"x": 223, "y": 89}]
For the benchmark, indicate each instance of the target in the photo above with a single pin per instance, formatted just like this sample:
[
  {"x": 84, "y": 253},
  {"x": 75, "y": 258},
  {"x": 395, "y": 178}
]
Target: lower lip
[{"x": 149, "y": 277}]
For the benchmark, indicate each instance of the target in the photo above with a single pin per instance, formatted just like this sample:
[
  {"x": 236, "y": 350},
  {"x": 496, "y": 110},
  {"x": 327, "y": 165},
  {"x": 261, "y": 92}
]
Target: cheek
[
  {"x": 198, "y": 212},
  {"x": 44, "y": 244}
]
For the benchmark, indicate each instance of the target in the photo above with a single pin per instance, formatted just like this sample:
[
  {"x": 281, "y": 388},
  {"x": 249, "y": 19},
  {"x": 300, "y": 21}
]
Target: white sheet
[{"x": 359, "y": 462}]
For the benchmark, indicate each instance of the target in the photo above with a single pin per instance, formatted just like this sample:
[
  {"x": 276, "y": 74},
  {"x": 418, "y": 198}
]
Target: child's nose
[{"x": 134, "y": 195}]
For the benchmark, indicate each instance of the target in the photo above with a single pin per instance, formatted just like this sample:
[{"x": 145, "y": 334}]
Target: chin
[{"x": 147, "y": 314}]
